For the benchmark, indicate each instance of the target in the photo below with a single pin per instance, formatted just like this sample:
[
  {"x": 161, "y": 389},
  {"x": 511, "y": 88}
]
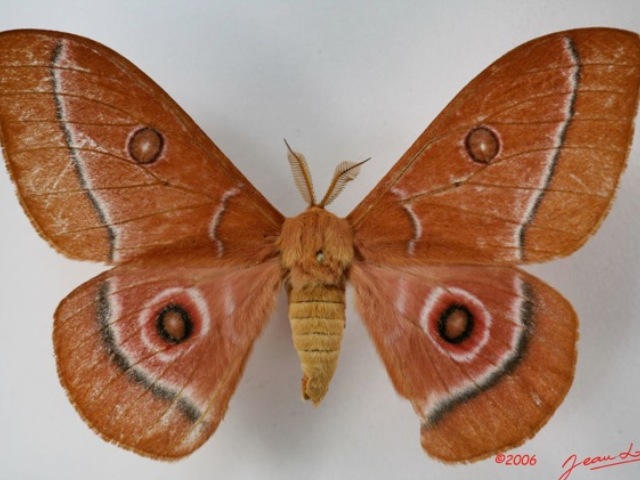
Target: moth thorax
[
  {"x": 317, "y": 317},
  {"x": 316, "y": 248}
]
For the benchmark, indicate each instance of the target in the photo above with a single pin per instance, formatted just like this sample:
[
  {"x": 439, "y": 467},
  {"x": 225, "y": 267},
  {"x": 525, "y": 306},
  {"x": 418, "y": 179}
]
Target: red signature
[{"x": 630, "y": 455}]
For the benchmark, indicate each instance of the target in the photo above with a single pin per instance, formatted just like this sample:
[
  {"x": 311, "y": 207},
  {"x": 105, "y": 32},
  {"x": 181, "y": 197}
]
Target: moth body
[{"x": 316, "y": 249}]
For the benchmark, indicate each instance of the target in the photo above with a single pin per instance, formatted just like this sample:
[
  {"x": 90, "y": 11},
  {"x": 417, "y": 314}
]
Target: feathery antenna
[
  {"x": 344, "y": 173},
  {"x": 301, "y": 175}
]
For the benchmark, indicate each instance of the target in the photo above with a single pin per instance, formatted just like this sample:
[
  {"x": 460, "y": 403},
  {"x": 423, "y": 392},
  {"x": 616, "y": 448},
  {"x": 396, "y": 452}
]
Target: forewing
[
  {"x": 150, "y": 355},
  {"x": 484, "y": 354},
  {"x": 107, "y": 165},
  {"x": 521, "y": 166}
]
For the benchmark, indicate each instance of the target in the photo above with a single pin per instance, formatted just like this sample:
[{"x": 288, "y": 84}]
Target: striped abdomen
[{"x": 317, "y": 322}]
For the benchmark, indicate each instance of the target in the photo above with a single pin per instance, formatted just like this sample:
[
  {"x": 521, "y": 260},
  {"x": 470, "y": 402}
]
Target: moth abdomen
[{"x": 317, "y": 317}]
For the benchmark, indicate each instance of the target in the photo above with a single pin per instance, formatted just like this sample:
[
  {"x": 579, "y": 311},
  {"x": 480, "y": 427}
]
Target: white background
[{"x": 340, "y": 80}]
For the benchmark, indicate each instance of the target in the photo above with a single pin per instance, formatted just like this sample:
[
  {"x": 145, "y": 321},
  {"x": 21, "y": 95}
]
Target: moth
[{"x": 520, "y": 167}]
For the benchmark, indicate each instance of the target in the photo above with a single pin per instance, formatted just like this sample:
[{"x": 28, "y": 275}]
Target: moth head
[
  {"x": 344, "y": 173},
  {"x": 316, "y": 247}
]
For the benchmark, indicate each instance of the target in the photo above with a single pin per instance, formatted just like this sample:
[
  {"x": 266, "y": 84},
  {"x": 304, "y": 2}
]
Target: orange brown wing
[
  {"x": 109, "y": 167},
  {"x": 521, "y": 166},
  {"x": 150, "y": 354},
  {"x": 484, "y": 354}
]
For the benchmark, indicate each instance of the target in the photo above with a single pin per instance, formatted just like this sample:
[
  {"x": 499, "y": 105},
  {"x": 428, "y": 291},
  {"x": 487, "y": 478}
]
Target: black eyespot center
[
  {"x": 455, "y": 324},
  {"x": 174, "y": 324}
]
